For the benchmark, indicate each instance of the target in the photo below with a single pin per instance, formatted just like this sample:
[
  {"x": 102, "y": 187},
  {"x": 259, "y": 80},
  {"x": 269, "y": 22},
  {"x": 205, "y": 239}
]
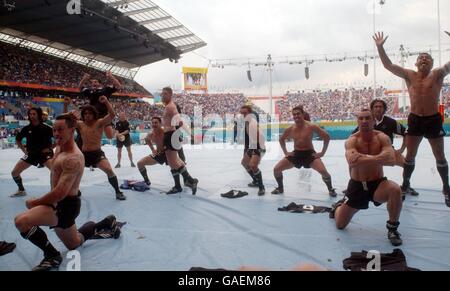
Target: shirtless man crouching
[
  {"x": 367, "y": 152},
  {"x": 61, "y": 206}
]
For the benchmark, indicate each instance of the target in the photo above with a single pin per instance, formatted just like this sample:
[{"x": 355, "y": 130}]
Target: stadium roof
[{"x": 116, "y": 35}]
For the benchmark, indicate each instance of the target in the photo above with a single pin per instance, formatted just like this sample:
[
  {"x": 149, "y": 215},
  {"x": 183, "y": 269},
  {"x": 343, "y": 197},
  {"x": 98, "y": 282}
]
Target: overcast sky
[{"x": 254, "y": 28}]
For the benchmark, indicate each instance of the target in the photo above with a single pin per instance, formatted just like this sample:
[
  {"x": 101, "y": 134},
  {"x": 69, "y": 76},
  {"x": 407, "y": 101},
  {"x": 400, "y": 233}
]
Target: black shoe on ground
[
  {"x": 333, "y": 193},
  {"x": 48, "y": 264},
  {"x": 394, "y": 237},
  {"x": 278, "y": 191},
  {"x": 253, "y": 185},
  {"x": 334, "y": 207},
  {"x": 447, "y": 197},
  {"x": 193, "y": 186},
  {"x": 409, "y": 190},
  {"x": 120, "y": 196},
  {"x": 6, "y": 248},
  {"x": 175, "y": 190},
  {"x": 113, "y": 227}
]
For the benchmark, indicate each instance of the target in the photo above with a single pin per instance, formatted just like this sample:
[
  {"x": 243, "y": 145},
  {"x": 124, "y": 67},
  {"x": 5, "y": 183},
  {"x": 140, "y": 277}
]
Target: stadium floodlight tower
[
  {"x": 270, "y": 69},
  {"x": 443, "y": 102},
  {"x": 374, "y": 12}
]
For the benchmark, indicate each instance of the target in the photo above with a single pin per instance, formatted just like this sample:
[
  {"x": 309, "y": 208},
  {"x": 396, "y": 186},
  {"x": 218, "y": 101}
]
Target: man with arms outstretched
[{"x": 95, "y": 91}]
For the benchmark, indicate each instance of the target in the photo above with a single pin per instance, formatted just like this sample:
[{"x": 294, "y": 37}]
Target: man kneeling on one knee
[{"x": 367, "y": 152}]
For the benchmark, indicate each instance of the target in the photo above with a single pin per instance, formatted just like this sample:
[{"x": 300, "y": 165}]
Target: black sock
[
  {"x": 280, "y": 182},
  {"x": 442, "y": 168},
  {"x": 407, "y": 172},
  {"x": 38, "y": 237},
  {"x": 250, "y": 172},
  {"x": 183, "y": 171},
  {"x": 88, "y": 230},
  {"x": 18, "y": 181},
  {"x": 392, "y": 226},
  {"x": 144, "y": 174},
  {"x": 327, "y": 181},
  {"x": 181, "y": 155},
  {"x": 176, "y": 178},
  {"x": 115, "y": 183},
  {"x": 259, "y": 180}
]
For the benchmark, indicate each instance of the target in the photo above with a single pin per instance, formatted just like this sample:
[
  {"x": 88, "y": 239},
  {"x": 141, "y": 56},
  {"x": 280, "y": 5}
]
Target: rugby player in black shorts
[
  {"x": 389, "y": 127},
  {"x": 38, "y": 149},
  {"x": 254, "y": 150},
  {"x": 304, "y": 154},
  {"x": 367, "y": 152},
  {"x": 91, "y": 130},
  {"x": 158, "y": 156},
  {"x": 59, "y": 208},
  {"x": 171, "y": 119},
  {"x": 123, "y": 139},
  {"x": 424, "y": 86}
]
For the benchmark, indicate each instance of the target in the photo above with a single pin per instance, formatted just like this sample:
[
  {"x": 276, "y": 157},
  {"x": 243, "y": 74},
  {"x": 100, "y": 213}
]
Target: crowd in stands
[
  {"x": 18, "y": 100},
  {"x": 136, "y": 110},
  {"x": 331, "y": 104},
  {"x": 27, "y": 66},
  {"x": 321, "y": 105},
  {"x": 23, "y": 65},
  {"x": 221, "y": 104}
]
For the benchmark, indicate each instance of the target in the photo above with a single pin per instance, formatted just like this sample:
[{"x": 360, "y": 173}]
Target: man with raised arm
[
  {"x": 95, "y": 91},
  {"x": 91, "y": 130},
  {"x": 424, "y": 86}
]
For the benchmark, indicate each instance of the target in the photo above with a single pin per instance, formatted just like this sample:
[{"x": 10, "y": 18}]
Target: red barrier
[{"x": 64, "y": 89}]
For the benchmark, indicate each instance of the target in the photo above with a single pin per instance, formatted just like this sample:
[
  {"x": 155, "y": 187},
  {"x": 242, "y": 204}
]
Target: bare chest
[
  {"x": 157, "y": 138},
  {"x": 91, "y": 131},
  {"x": 427, "y": 87},
  {"x": 304, "y": 134},
  {"x": 369, "y": 148}
]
